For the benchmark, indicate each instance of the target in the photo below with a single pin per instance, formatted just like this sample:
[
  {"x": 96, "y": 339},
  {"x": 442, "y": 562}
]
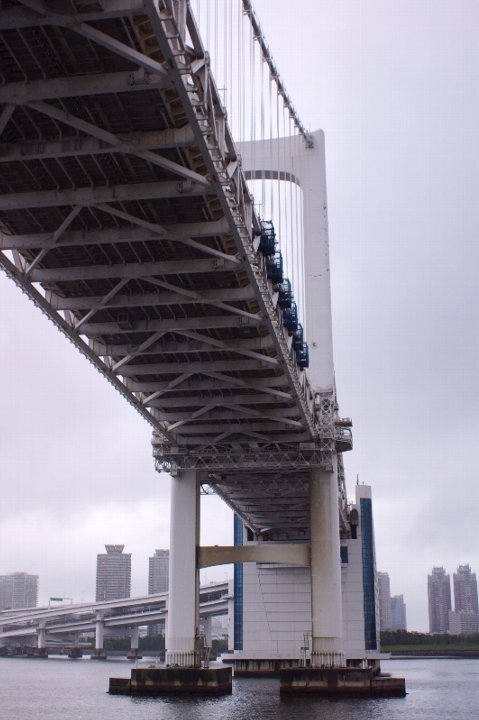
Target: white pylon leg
[
  {"x": 99, "y": 628},
  {"x": 135, "y": 638},
  {"x": 42, "y": 637},
  {"x": 183, "y": 607},
  {"x": 326, "y": 600}
]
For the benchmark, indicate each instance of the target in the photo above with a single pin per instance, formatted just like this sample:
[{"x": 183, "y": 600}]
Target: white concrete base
[
  {"x": 325, "y": 659},
  {"x": 187, "y": 659}
]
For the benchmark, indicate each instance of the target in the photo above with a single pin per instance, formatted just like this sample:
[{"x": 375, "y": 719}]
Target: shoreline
[{"x": 433, "y": 654}]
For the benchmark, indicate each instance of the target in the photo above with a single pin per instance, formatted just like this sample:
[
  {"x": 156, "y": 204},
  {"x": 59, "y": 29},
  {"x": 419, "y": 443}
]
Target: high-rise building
[
  {"x": 465, "y": 590},
  {"x": 158, "y": 572},
  {"x": 439, "y": 597},
  {"x": 18, "y": 590},
  {"x": 384, "y": 588},
  {"x": 398, "y": 613},
  {"x": 113, "y": 574}
]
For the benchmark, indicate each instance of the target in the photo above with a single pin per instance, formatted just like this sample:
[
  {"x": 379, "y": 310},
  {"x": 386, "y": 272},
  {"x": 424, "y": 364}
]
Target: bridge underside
[{"x": 125, "y": 215}]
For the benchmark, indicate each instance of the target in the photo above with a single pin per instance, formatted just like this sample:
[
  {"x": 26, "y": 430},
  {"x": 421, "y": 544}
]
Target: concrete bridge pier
[
  {"x": 134, "y": 652},
  {"x": 326, "y": 596},
  {"x": 183, "y": 607},
  {"x": 41, "y": 649},
  {"x": 99, "y": 653},
  {"x": 183, "y": 673},
  {"x": 207, "y": 629},
  {"x": 75, "y": 649}
]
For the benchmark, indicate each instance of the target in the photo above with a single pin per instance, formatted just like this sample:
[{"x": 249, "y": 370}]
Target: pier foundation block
[
  {"x": 36, "y": 652},
  {"x": 98, "y": 654},
  {"x": 174, "y": 681},
  {"x": 134, "y": 654},
  {"x": 339, "y": 682},
  {"x": 74, "y": 653}
]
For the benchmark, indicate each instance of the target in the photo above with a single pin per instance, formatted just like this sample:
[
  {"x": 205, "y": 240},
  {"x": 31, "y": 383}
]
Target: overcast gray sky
[{"x": 394, "y": 85}]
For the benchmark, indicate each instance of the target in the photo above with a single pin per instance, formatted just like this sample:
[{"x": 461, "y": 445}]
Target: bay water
[{"x": 63, "y": 689}]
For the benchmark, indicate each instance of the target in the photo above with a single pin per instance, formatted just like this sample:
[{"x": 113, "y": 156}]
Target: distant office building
[
  {"x": 18, "y": 590},
  {"x": 158, "y": 572},
  {"x": 158, "y": 575},
  {"x": 385, "y": 618},
  {"x": 465, "y": 590},
  {"x": 439, "y": 597},
  {"x": 398, "y": 613},
  {"x": 113, "y": 574}
]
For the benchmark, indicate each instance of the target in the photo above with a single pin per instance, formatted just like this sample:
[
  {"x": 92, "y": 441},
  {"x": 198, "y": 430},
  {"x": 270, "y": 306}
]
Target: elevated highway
[{"x": 45, "y": 624}]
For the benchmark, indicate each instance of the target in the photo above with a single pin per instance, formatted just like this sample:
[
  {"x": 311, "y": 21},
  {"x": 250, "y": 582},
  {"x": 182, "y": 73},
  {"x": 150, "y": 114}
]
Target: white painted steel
[
  {"x": 267, "y": 158},
  {"x": 292, "y": 554}
]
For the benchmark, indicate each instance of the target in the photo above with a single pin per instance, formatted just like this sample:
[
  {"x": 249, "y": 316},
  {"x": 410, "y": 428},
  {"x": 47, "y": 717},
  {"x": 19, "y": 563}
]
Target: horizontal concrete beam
[{"x": 289, "y": 554}]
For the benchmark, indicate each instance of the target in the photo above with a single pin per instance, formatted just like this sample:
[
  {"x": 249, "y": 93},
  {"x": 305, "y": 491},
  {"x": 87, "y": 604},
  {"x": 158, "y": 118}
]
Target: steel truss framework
[{"x": 126, "y": 217}]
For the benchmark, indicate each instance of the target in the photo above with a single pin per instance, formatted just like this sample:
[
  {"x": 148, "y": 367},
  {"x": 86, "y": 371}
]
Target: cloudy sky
[{"x": 394, "y": 85}]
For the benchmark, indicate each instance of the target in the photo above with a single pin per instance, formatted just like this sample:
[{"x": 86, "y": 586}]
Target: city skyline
[
  {"x": 392, "y": 87},
  {"x": 392, "y": 608}
]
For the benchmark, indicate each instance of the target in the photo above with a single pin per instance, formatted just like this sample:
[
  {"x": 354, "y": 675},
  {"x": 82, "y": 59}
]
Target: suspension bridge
[{"x": 162, "y": 202}]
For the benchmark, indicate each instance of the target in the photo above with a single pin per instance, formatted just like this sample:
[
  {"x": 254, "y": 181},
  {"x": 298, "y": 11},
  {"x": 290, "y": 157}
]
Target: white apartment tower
[
  {"x": 465, "y": 618},
  {"x": 18, "y": 590},
  {"x": 158, "y": 572},
  {"x": 439, "y": 597},
  {"x": 158, "y": 575},
  {"x": 113, "y": 574},
  {"x": 465, "y": 590}
]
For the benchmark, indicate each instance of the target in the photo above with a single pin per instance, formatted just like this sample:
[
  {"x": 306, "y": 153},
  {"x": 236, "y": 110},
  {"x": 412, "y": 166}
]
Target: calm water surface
[{"x": 62, "y": 689}]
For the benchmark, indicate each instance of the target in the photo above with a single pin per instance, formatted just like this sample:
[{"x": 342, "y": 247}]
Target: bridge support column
[
  {"x": 326, "y": 600},
  {"x": 99, "y": 653},
  {"x": 208, "y": 631},
  {"x": 75, "y": 649},
  {"x": 134, "y": 652},
  {"x": 41, "y": 649},
  {"x": 183, "y": 609}
]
